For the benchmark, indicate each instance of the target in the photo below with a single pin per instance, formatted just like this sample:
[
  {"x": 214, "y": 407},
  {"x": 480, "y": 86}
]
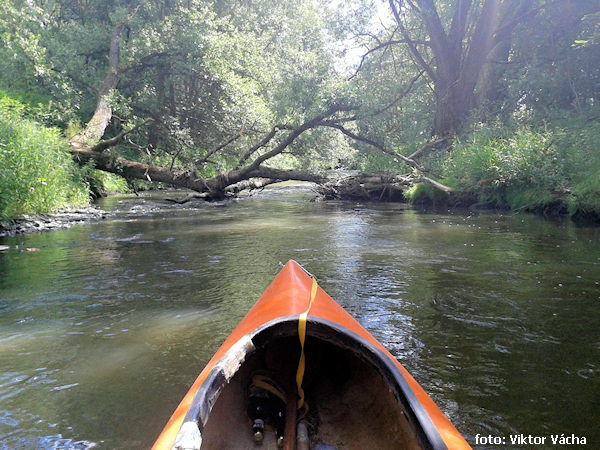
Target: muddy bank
[{"x": 49, "y": 222}]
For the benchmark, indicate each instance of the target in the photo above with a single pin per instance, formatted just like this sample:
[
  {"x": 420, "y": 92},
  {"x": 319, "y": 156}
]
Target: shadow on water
[{"x": 103, "y": 329}]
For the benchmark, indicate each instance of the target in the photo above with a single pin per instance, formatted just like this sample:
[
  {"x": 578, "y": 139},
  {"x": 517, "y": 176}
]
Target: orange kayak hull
[{"x": 288, "y": 296}]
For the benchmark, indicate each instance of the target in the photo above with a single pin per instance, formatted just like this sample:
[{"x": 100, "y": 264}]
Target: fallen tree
[
  {"x": 251, "y": 170},
  {"x": 255, "y": 175},
  {"x": 213, "y": 188}
]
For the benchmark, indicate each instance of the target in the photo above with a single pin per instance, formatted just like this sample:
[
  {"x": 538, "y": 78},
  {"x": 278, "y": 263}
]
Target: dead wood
[{"x": 365, "y": 187}]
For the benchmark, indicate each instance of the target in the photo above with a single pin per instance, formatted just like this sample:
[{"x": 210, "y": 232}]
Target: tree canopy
[{"x": 207, "y": 95}]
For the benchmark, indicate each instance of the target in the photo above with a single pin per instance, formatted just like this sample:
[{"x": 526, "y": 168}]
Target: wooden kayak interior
[{"x": 354, "y": 398}]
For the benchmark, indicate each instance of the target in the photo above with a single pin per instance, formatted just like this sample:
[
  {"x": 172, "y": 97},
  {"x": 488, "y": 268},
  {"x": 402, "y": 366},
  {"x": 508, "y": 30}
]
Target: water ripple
[{"x": 53, "y": 442}]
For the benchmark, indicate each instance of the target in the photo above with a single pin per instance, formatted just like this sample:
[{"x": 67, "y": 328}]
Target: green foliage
[
  {"x": 591, "y": 32},
  {"x": 529, "y": 168},
  {"x": 422, "y": 193},
  {"x": 27, "y": 67},
  {"x": 519, "y": 171},
  {"x": 318, "y": 150},
  {"x": 560, "y": 67},
  {"x": 37, "y": 175},
  {"x": 377, "y": 162},
  {"x": 210, "y": 72},
  {"x": 102, "y": 183},
  {"x": 577, "y": 138}
]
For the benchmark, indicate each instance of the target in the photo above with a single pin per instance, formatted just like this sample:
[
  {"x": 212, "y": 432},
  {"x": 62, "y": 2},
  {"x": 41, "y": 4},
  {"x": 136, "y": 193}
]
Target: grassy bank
[
  {"x": 551, "y": 167},
  {"x": 37, "y": 174}
]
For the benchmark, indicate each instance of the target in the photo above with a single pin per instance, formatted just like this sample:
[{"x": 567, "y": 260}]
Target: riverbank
[
  {"x": 424, "y": 197},
  {"x": 50, "y": 222},
  {"x": 298, "y": 191}
]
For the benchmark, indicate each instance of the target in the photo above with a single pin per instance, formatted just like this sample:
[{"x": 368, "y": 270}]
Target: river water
[{"x": 104, "y": 327}]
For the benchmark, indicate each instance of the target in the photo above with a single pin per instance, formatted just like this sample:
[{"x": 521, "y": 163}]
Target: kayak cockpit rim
[{"x": 189, "y": 436}]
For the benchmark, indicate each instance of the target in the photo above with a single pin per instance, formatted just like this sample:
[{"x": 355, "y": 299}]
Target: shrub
[
  {"x": 422, "y": 193},
  {"x": 578, "y": 142},
  {"x": 531, "y": 168},
  {"x": 523, "y": 170},
  {"x": 102, "y": 183},
  {"x": 37, "y": 174}
]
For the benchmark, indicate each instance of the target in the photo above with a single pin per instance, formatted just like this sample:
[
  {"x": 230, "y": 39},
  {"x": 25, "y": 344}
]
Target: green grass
[
  {"x": 102, "y": 183},
  {"x": 37, "y": 174},
  {"x": 529, "y": 168},
  {"x": 523, "y": 167},
  {"x": 579, "y": 141},
  {"x": 422, "y": 193}
]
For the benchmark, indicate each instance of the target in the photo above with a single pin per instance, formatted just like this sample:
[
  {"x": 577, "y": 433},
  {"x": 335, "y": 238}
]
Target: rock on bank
[{"x": 48, "y": 222}]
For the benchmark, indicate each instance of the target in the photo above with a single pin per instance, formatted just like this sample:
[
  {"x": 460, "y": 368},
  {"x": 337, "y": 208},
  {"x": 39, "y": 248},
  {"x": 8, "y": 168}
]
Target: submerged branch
[{"x": 184, "y": 200}]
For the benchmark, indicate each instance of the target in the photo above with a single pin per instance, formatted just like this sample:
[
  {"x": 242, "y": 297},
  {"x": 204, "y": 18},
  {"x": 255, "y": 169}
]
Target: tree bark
[
  {"x": 458, "y": 78},
  {"x": 96, "y": 127},
  {"x": 460, "y": 53}
]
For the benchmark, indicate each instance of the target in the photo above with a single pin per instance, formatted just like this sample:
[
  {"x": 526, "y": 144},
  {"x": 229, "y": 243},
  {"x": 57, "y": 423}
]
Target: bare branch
[
  {"x": 372, "y": 143},
  {"x": 218, "y": 148},
  {"x": 250, "y": 185},
  {"x": 435, "y": 184},
  {"x": 413, "y": 6},
  {"x": 459, "y": 24},
  {"x": 401, "y": 96},
  {"x": 505, "y": 30},
  {"x": 383, "y": 45},
  {"x": 411, "y": 45},
  {"x": 284, "y": 175},
  {"x": 428, "y": 146},
  {"x": 408, "y": 161},
  {"x": 248, "y": 153},
  {"x": 95, "y": 128},
  {"x": 289, "y": 139},
  {"x": 103, "y": 145}
]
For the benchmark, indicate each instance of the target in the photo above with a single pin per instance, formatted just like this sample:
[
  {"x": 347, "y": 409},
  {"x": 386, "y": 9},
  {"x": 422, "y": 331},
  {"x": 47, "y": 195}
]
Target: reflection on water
[{"x": 104, "y": 329}]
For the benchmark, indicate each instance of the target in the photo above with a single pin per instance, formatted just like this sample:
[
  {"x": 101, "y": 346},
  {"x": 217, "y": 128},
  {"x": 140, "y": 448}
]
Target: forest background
[{"x": 478, "y": 103}]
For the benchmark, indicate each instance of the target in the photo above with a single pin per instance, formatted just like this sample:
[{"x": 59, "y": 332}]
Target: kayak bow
[{"x": 353, "y": 392}]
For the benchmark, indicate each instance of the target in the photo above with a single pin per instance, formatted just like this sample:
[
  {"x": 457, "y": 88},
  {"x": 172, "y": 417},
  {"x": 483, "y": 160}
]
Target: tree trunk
[
  {"x": 96, "y": 127},
  {"x": 215, "y": 188},
  {"x": 488, "y": 86},
  {"x": 459, "y": 51},
  {"x": 452, "y": 107},
  {"x": 154, "y": 132}
]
